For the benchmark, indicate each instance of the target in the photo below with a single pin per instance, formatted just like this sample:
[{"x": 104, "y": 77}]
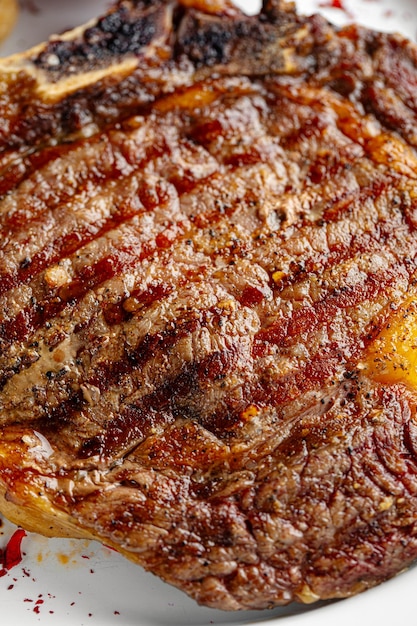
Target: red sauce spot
[
  {"x": 37, "y": 607},
  {"x": 335, "y": 4},
  {"x": 12, "y": 554}
]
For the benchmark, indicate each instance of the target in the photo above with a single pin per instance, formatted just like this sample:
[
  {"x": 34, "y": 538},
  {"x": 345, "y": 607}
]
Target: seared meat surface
[{"x": 207, "y": 297}]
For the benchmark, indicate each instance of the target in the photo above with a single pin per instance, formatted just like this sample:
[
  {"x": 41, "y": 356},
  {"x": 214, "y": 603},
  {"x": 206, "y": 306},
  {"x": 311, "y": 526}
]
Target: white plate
[{"x": 75, "y": 583}]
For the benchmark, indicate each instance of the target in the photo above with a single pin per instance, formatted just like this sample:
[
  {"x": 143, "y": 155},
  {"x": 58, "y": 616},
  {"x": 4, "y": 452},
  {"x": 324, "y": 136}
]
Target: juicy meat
[{"x": 207, "y": 297}]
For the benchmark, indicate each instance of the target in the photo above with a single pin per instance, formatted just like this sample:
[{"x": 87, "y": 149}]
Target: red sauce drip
[
  {"x": 335, "y": 4},
  {"x": 12, "y": 554}
]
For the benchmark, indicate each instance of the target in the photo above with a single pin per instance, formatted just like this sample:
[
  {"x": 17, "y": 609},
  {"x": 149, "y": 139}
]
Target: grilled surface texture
[{"x": 207, "y": 297}]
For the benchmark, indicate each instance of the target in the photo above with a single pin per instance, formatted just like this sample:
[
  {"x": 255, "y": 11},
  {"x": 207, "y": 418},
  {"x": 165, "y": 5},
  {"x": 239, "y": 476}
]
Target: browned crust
[{"x": 216, "y": 206}]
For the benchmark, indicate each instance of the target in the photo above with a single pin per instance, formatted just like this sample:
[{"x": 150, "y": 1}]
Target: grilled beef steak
[{"x": 208, "y": 297}]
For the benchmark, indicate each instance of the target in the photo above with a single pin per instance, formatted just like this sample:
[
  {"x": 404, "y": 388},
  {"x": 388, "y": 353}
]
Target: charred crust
[
  {"x": 214, "y": 41},
  {"x": 119, "y": 33},
  {"x": 204, "y": 42}
]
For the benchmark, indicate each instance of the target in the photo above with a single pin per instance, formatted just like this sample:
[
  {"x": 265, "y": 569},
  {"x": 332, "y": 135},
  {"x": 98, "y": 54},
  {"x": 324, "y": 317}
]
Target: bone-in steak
[{"x": 208, "y": 297}]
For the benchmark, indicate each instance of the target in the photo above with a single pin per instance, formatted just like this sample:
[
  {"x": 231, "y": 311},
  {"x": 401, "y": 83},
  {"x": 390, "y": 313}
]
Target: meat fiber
[{"x": 208, "y": 331}]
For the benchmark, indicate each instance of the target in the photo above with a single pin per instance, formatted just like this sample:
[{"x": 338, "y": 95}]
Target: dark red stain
[
  {"x": 333, "y": 4},
  {"x": 12, "y": 553}
]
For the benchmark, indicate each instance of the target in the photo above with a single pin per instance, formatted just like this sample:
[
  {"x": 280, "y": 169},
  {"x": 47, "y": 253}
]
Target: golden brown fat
[{"x": 8, "y": 17}]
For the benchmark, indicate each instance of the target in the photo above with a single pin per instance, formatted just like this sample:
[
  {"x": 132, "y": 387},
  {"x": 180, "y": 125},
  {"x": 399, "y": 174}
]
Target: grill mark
[
  {"x": 161, "y": 407},
  {"x": 305, "y": 320},
  {"x": 69, "y": 245},
  {"x": 374, "y": 190},
  {"x": 334, "y": 216},
  {"x": 64, "y": 246},
  {"x": 28, "y": 320},
  {"x": 113, "y": 163},
  {"x": 71, "y": 242},
  {"x": 32, "y": 318},
  {"x": 361, "y": 243},
  {"x": 115, "y": 314},
  {"x": 330, "y": 261},
  {"x": 108, "y": 374},
  {"x": 125, "y": 431},
  {"x": 111, "y": 373},
  {"x": 308, "y": 318},
  {"x": 20, "y": 170},
  {"x": 168, "y": 402},
  {"x": 323, "y": 366},
  {"x": 167, "y": 399},
  {"x": 85, "y": 279},
  {"x": 105, "y": 165}
]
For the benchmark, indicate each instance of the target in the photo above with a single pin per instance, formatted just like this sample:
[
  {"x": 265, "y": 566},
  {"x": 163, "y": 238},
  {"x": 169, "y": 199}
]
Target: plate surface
[{"x": 75, "y": 583}]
